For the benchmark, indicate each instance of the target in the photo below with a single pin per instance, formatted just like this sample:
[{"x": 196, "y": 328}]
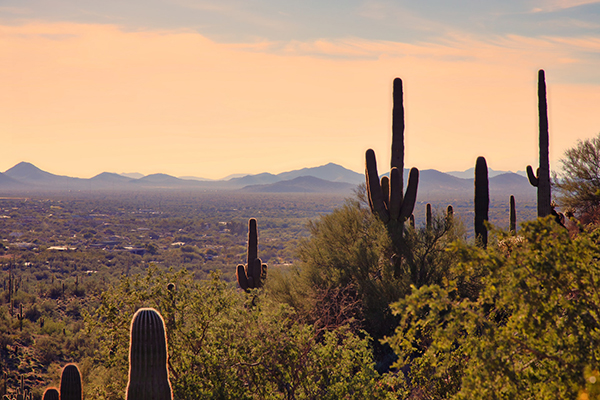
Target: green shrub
[
  {"x": 48, "y": 350},
  {"x": 530, "y": 330},
  {"x": 350, "y": 271},
  {"x": 229, "y": 344}
]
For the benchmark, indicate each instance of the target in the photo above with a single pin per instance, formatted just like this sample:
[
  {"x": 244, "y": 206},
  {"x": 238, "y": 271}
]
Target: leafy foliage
[
  {"x": 351, "y": 254},
  {"x": 579, "y": 182},
  {"x": 226, "y": 344},
  {"x": 531, "y": 331}
]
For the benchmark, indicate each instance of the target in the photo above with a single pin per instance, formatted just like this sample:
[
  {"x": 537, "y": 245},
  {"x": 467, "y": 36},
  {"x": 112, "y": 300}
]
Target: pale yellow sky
[{"x": 80, "y": 99}]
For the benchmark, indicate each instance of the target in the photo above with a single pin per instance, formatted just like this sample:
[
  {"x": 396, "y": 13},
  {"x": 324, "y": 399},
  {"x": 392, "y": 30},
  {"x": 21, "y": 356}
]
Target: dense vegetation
[
  {"x": 517, "y": 320},
  {"x": 528, "y": 327},
  {"x": 60, "y": 255}
]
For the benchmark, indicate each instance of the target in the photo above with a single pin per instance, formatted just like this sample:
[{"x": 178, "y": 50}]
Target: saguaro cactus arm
[
  {"x": 533, "y": 179},
  {"x": 374, "y": 187},
  {"x": 410, "y": 198}
]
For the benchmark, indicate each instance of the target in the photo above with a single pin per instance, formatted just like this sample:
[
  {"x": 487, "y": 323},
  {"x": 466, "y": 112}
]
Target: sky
[{"x": 210, "y": 88}]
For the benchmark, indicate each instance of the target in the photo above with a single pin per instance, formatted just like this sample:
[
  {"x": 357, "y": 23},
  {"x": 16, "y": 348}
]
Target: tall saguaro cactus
[
  {"x": 513, "y": 215},
  {"x": 253, "y": 274},
  {"x": 542, "y": 180},
  {"x": 428, "y": 217},
  {"x": 449, "y": 215},
  {"x": 148, "y": 374},
  {"x": 482, "y": 201},
  {"x": 391, "y": 205},
  {"x": 70, "y": 383}
]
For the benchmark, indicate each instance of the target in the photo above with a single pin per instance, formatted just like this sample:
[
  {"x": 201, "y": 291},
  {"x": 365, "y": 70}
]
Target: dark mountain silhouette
[
  {"x": 470, "y": 173},
  {"x": 329, "y": 172},
  {"x": 438, "y": 185},
  {"x": 28, "y": 173},
  {"x": 511, "y": 183},
  {"x": 108, "y": 180},
  {"x": 165, "y": 181},
  {"x": 10, "y": 183},
  {"x": 330, "y": 178},
  {"x": 110, "y": 177},
  {"x": 259, "y": 179},
  {"x": 433, "y": 180}
]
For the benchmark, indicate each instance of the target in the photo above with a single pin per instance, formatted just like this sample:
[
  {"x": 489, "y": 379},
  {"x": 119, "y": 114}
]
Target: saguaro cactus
[
  {"x": 513, "y": 215},
  {"x": 70, "y": 383},
  {"x": 253, "y": 274},
  {"x": 391, "y": 205},
  {"x": 449, "y": 215},
  {"x": 542, "y": 180},
  {"x": 482, "y": 201},
  {"x": 428, "y": 217},
  {"x": 148, "y": 374},
  {"x": 20, "y": 317},
  {"x": 51, "y": 394}
]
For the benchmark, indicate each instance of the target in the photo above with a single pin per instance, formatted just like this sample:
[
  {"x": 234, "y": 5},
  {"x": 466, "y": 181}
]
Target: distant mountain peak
[
  {"x": 27, "y": 171},
  {"x": 111, "y": 176},
  {"x": 329, "y": 172},
  {"x": 23, "y": 166}
]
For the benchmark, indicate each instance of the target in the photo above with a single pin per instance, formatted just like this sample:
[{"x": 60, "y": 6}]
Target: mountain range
[{"x": 330, "y": 178}]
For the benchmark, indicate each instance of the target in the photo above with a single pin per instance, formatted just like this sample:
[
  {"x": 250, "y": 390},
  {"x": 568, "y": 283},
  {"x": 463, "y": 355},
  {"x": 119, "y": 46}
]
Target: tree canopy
[{"x": 579, "y": 183}]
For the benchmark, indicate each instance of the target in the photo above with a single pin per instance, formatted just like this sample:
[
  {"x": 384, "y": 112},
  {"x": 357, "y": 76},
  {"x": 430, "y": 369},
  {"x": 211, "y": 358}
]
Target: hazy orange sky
[{"x": 210, "y": 88}]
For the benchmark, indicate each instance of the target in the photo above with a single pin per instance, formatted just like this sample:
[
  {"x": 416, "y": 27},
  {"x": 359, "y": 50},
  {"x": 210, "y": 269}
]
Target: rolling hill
[{"x": 329, "y": 178}]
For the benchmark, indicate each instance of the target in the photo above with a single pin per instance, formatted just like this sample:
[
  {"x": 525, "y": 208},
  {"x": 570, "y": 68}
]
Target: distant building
[
  {"x": 140, "y": 251},
  {"x": 61, "y": 248}
]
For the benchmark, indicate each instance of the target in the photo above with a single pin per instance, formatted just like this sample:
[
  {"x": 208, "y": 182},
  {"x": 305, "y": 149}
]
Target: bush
[
  {"x": 531, "y": 331},
  {"x": 579, "y": 182},
  {"x": 351, "y": 271},
  {"x": 229, "y": 344},
  {"x": 48, "y": 350}
]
